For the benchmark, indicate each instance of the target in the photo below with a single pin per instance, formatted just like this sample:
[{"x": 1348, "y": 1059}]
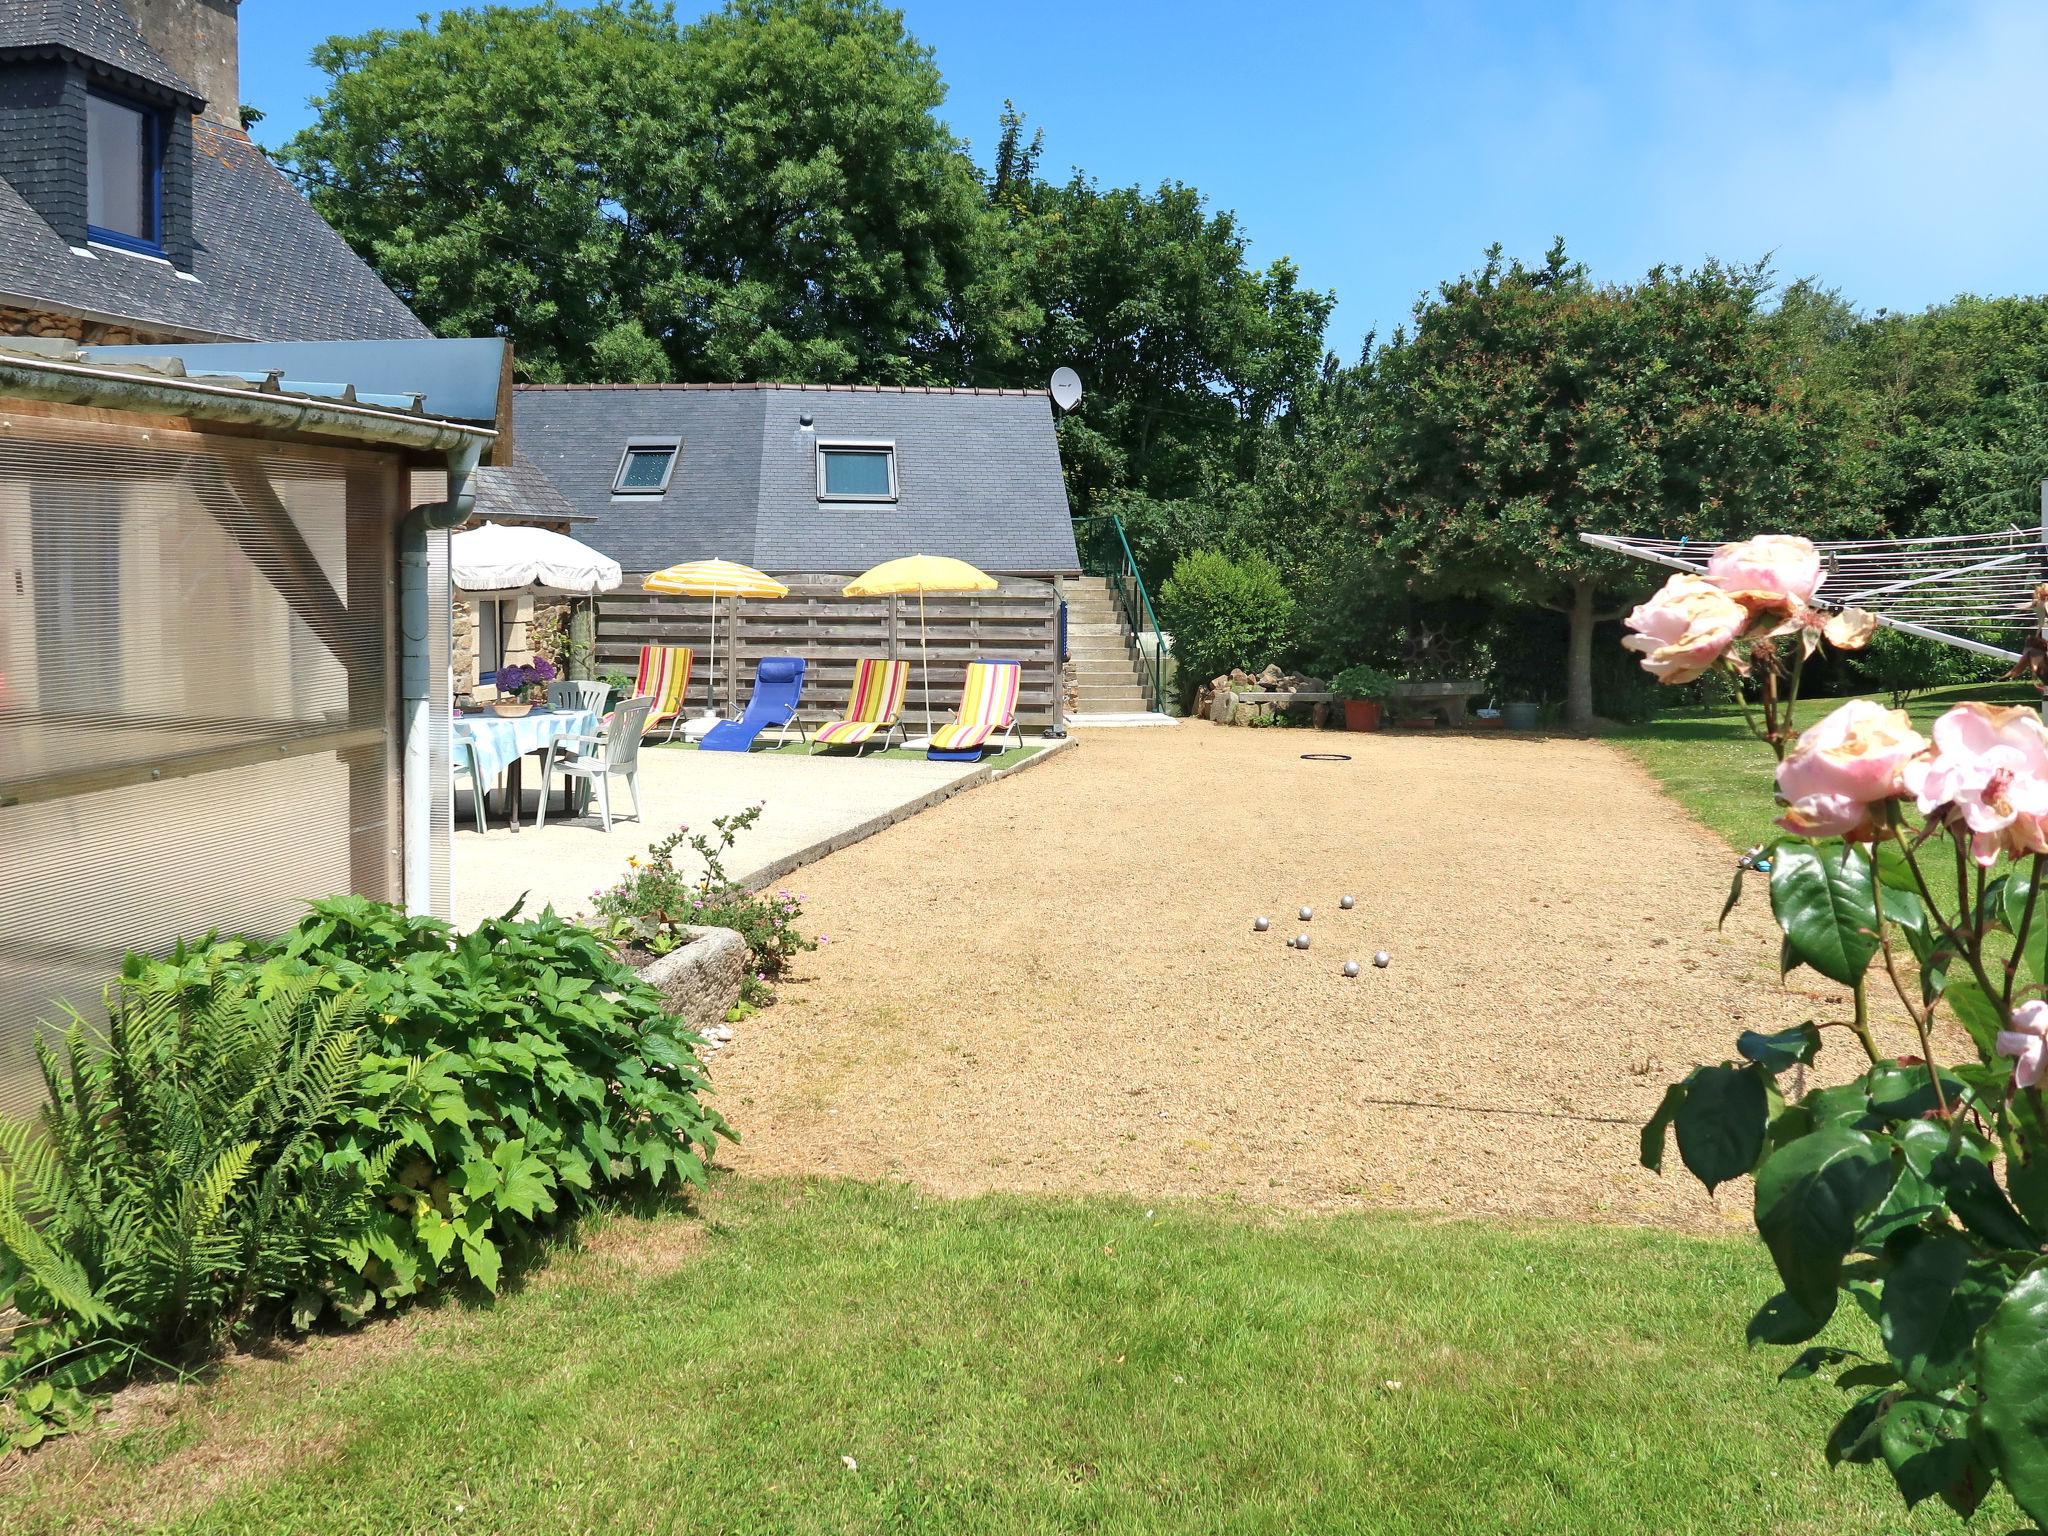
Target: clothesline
[{"x": 1970, "y": 590}]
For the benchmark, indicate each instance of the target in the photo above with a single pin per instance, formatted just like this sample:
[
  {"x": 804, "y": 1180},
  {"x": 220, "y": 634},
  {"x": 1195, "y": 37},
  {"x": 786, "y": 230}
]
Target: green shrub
[
  {"x": 529, "y": 1073},
  {"x": 1224, "y": 613},
  {"x": 655, "y": 904},
  {"x": 1362, "y": 682},
  {"x": 367, "y": 1109},
  {"x": 193, "y": 1168}
]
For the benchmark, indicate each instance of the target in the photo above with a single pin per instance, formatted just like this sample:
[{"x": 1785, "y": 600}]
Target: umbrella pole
[{"x": 711, "y": 669}]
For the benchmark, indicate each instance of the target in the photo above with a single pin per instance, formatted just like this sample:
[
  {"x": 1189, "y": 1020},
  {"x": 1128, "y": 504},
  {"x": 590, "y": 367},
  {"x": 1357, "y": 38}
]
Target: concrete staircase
[{"x": 1106, "y": 656}]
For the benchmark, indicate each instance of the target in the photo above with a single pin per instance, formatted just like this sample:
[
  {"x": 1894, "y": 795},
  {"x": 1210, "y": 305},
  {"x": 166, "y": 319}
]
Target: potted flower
[
  {"x": 522, "y": 687},
  {"x": 1364, "y": 691}
]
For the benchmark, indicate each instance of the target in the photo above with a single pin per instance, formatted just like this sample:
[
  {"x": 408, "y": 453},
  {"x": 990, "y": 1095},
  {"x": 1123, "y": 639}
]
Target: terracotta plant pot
[
  {"x": 1361, "y": 714},
  {"x": 511, "y": 709}
]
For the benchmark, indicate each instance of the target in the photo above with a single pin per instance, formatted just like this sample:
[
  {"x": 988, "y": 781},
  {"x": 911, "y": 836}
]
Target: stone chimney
[{"x": 199, "y": 40}]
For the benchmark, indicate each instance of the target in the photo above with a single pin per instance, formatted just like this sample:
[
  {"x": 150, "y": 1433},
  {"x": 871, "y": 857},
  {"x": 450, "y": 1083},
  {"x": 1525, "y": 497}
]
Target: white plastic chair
[
  {"x": 579, "y": 693},
  {"x": 462, "y": 765},
  {"x": 596, "y": 758}
]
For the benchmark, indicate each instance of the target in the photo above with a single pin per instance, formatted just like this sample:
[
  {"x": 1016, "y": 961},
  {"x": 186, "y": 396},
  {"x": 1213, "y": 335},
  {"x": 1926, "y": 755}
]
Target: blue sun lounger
[{"x": 778, "y": 683}]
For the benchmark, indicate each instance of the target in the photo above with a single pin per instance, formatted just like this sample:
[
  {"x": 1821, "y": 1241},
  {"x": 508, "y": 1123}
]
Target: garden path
[{"x": 1053, "y": 983}]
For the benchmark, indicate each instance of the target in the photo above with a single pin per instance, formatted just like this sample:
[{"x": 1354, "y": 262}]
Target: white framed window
[
  {"x": 647, "y": 466},
  {"x": 850, "y": 471}
]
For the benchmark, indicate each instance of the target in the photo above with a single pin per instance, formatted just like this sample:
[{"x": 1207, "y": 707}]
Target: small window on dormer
[
  {"x": 124, "y": 158},
  {"x": 646, "y": 466}
]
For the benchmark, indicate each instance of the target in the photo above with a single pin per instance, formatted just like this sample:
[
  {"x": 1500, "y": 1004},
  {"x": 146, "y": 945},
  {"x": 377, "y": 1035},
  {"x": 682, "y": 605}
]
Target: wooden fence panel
[{"x": 1019, "y": 621}]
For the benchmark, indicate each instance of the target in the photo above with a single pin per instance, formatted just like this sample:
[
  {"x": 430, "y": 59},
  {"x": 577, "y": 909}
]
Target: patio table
[{"x": 501, "y": 742}]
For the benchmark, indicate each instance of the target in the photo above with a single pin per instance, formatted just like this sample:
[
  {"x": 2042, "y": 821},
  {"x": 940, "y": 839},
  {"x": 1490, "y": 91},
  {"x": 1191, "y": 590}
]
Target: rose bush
[{"x": 1917, "y": 1192}]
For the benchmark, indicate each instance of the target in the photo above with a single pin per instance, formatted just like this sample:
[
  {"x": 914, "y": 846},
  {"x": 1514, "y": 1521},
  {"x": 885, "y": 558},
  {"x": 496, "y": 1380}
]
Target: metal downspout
[{"x": 417, "y": 690}]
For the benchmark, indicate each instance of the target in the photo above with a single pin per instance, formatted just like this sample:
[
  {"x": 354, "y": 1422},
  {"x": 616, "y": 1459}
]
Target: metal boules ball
[
  {"x": 1307, "y": 913},
  {"x": 1347, "y": 902},
  {"x": 1261, "y": 924},
  {"x": 1301, "y": 941},
  {"x": 1350, "y": 967},
  {"x": 1382, "y": 959}
]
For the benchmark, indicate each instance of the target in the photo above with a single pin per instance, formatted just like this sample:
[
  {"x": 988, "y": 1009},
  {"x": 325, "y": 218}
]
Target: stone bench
[{"x": 1450, "y": 697}]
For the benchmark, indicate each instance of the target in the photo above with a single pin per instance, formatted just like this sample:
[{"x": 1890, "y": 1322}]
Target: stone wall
[
  {"x": 43, "y": 322},
  {"x": 465, "y": 655}
]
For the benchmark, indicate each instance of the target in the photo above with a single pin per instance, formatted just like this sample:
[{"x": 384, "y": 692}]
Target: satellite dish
[{"x": 1066, "y": 388}]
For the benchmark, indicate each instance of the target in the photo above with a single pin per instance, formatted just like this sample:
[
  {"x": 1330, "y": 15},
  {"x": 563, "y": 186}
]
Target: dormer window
[
  {"x": 646, "y": 466},
  {"x": 856, "y": 471},
  {"x": 124, "y": 158}
]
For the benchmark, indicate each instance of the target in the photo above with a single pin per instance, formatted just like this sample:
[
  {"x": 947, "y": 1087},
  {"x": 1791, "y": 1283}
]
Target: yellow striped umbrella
[
  {"x": 713, "y": 579},
  {"x": 920, "y": 574}
]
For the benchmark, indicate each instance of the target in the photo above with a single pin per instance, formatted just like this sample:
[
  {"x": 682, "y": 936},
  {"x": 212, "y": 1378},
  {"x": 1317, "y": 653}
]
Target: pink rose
[
  {"x": 1685, "y": 628},
  {"x": 1851, "y": 629},
  {"x": 2026, "y": 1042},
  {"x": 1988, "y": 772},
  {"x": 1772, "y": 570},
  {"x": 1842, "y": 766}
]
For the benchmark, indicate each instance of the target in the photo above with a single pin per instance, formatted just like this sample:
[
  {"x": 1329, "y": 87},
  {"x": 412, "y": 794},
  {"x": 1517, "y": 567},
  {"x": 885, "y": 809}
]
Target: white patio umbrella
[
  {"x": 505, "y": 560},
  {"x": 510, "y": 560}
]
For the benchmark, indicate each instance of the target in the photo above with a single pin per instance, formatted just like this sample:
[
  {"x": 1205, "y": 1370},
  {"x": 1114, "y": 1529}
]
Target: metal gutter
[{"x": 126, "y": 389}]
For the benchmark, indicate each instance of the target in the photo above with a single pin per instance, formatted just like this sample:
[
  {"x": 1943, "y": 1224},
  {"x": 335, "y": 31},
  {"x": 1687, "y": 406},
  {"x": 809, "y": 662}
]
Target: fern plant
[{"x": 187, "y": 1169}]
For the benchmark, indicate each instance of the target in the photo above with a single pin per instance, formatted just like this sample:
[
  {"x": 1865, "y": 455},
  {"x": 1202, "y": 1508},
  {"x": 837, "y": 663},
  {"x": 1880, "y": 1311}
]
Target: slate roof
[
  {"x": 267, "y": 267},
  {"x": 99, "y": 30},
  {"x": 520, "y": 493},
  {"x": 978, "y": 474}
]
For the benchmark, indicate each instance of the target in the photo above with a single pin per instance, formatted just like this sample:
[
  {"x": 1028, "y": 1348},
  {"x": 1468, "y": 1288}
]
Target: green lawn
[
  {"x": 1016, "y": 1365},
  {"x": 1707, "y": 760}
]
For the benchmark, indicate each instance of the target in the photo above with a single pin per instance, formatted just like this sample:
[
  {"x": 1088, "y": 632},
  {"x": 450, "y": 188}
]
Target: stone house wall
[{"x": 52, "y": 324}]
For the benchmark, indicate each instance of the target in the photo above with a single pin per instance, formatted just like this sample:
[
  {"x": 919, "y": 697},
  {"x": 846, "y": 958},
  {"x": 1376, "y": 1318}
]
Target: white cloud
[{"x": 1917, "y": 180}]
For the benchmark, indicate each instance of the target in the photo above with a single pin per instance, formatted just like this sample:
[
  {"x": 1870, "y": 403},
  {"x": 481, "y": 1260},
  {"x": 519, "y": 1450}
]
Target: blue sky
[{"x": 1891, "y": 147}]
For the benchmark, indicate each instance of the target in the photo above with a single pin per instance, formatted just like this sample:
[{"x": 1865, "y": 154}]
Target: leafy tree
[
  {"x": 812, "y": 218},
  {"x": 1950, "y": 413},
  {"x": 486, "y": 165},
  {"x": 1530, "y": 404},
  {"x": 1188, "y": 352},
  {"x": 763, "y": 195}
]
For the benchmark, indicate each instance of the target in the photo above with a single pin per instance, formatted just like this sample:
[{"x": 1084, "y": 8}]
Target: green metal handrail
[{"x": 1129, "y": 586}]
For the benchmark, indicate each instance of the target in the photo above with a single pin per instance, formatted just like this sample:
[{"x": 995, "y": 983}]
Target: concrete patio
[{"x": 813, "y": 805}]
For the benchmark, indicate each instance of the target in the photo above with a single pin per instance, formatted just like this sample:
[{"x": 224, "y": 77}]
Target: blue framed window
[{"x": 124, "y": 173}]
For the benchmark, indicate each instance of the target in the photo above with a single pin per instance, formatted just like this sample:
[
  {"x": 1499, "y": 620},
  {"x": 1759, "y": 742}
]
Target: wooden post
[
  {"x": 732, "y": 662},
  {"x": 582, "y": 637}
]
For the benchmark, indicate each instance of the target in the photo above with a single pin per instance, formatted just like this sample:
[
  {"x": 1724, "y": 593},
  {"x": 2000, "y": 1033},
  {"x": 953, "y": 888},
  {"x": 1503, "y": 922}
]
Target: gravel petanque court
[{"x": 1052, "y": 983}]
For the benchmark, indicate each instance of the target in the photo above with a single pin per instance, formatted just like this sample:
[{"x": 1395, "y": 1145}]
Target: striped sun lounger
[
  {"x": 876, "y": 704},
  {"x": 988, "y": 707},
  {"x": 664, "y": 677}
]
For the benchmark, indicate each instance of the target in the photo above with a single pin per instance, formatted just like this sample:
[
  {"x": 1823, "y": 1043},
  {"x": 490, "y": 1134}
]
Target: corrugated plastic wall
[{"x": 196, "y": 699}]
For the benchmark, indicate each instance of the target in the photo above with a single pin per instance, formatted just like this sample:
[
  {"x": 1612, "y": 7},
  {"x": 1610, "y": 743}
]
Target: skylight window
[
  {"x": 856, "y": 471},
  {"x": 646, "y": 466}
]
